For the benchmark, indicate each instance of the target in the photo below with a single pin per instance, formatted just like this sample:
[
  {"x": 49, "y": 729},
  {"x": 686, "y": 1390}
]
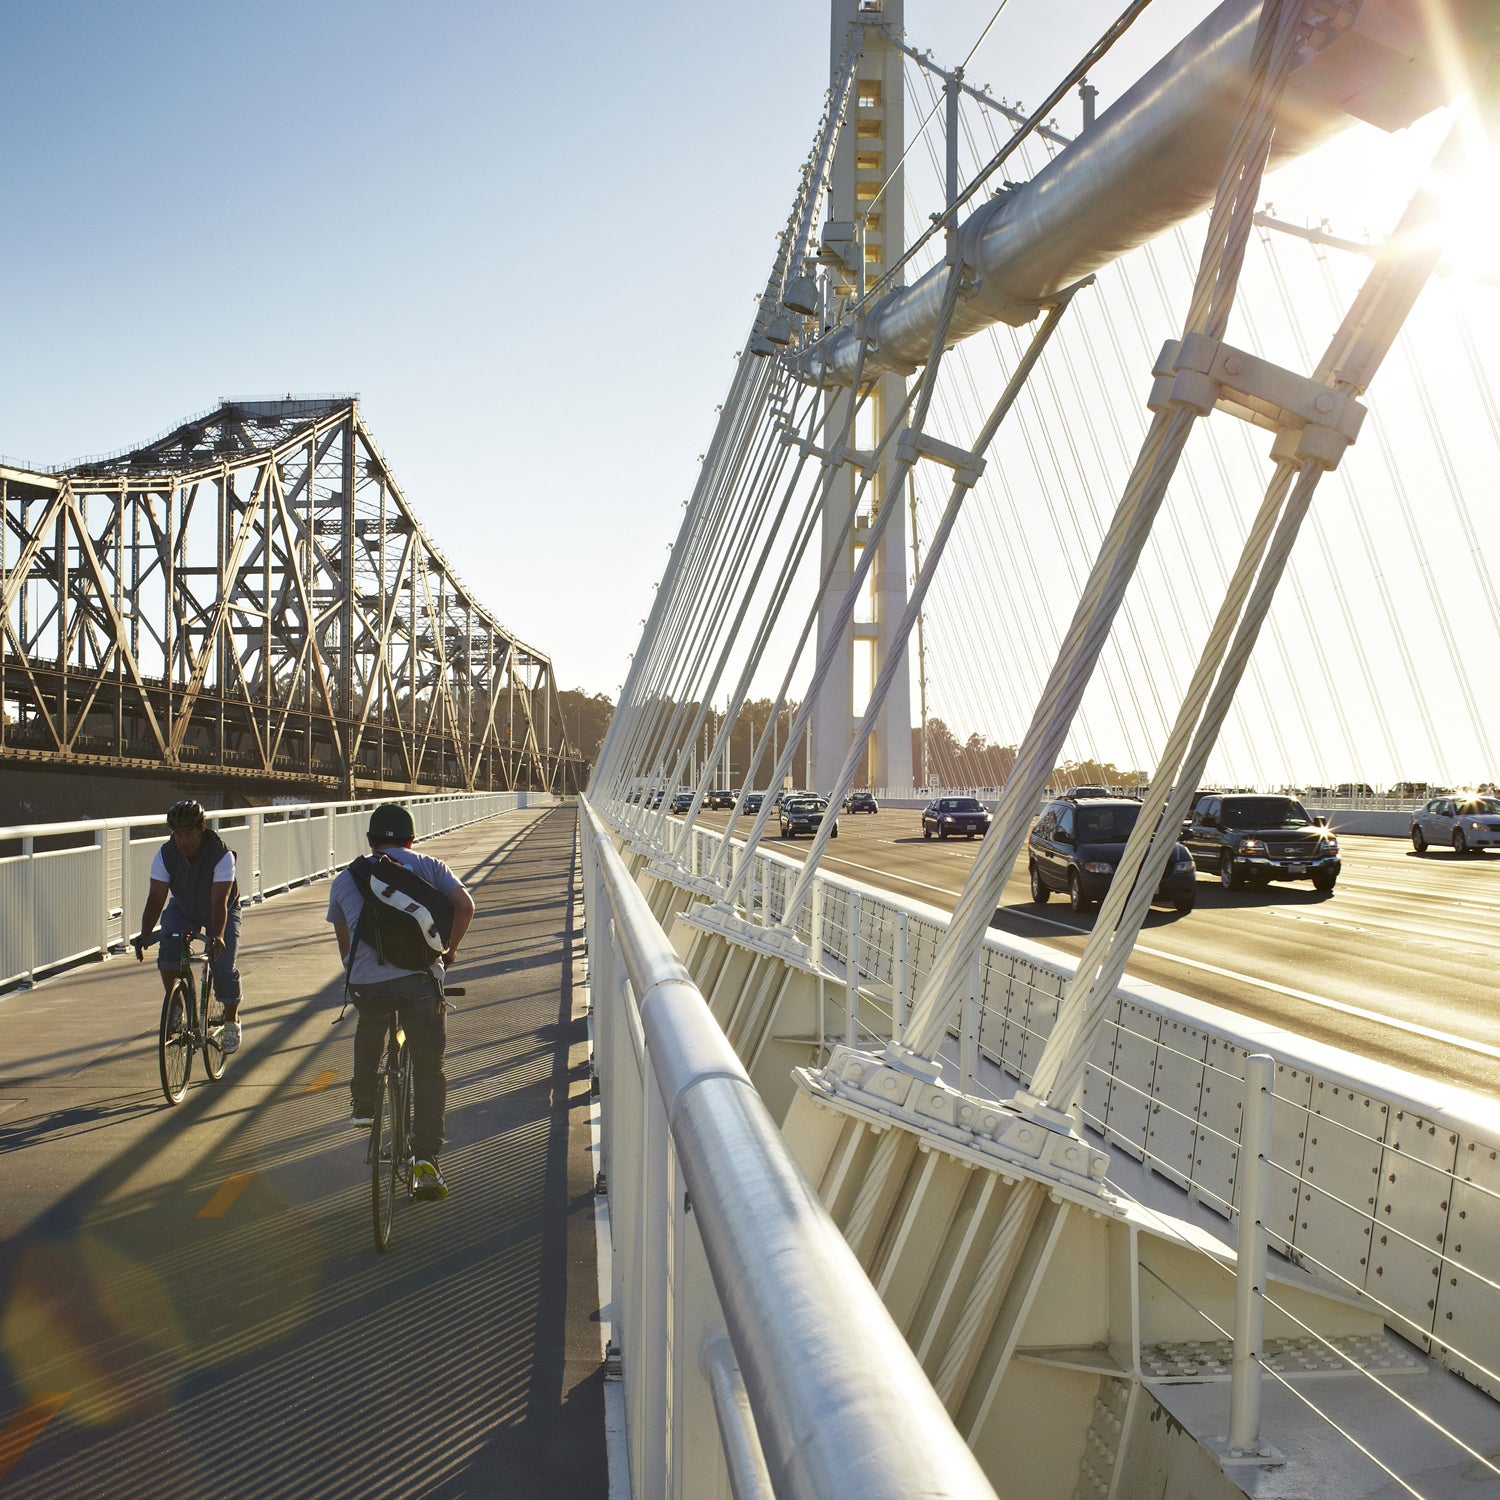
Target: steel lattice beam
[{"x": 253, "y": 596}]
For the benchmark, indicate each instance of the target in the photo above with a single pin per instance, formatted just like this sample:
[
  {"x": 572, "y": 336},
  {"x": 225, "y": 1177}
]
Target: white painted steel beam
[{"x": 1153, "y": 159}]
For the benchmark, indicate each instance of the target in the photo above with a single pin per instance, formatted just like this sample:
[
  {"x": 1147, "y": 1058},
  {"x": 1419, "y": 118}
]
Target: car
[
  {"x": 653, "y": 799},
  {"x": 681, "y": 801},
  {"x": 1469, "y": 824},
  {"x": 720, "y": 797},
  {"x": 948, "y": 815},
  {"x": 1254, "y": 838},
  {"x": 802, "y": 813},
  {"x": 861, "y": 802},
  {"x": 754, "y": 801},
  {"x": 1078, "y": 792},
  {"x": 1075, "y": 848}
]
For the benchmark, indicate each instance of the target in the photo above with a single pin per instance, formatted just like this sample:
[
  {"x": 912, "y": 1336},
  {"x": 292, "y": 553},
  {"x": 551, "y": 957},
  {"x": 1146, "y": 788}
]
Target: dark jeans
[
  {"x": 414, "y": 997},
  {"x": 174, "y": 924}
]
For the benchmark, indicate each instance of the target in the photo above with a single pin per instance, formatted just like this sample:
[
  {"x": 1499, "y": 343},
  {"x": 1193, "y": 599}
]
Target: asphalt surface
[
  {"x": 191, "y": 1303},
  {"x": 1401, "y": 963}
]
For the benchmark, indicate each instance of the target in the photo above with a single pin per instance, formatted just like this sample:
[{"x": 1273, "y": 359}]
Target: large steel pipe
[{"x": 1153, "y": 160}]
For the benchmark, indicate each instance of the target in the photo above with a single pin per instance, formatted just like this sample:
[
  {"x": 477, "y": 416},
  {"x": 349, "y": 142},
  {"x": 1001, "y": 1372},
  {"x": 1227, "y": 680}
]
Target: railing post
[
  {"x": 1250, "y": 1280},
  {"x": 101, "y": 843},
  {"x": 901, "y": 979},
  {"x": 815, "y": 920},
  {"x": 651, "y": 1355},
  {"x": 851, "y": 1004},
  {"x": 968, "y": 1033},
  {"x": 28, "y": 905}
]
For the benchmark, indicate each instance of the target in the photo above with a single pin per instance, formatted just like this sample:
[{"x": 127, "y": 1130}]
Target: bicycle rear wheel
[
  {"x": 408, "y": 1122},
  {"x": 383, "y": 1157},
  {"x": 174, "y": 1048},
  {"x": 214, "y": 1057}
]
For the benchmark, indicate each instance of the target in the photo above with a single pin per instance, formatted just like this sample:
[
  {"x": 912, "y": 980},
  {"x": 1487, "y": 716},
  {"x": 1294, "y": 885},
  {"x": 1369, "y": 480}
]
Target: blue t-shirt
[{"x": 345, "y": 903}]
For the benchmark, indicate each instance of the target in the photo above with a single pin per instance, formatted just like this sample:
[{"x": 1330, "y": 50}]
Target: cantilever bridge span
[{"x": 252, "y": 599}]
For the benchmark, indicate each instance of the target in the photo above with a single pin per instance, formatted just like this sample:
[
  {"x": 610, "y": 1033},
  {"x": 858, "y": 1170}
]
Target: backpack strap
[{"x": 360, "y": 869}]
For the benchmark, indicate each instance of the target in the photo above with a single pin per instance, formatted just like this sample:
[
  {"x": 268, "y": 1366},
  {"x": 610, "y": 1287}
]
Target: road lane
[{"x": 1400, "y": 963}]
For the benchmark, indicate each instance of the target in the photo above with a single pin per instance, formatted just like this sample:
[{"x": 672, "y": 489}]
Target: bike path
[{"x": 190, "y": 1299}]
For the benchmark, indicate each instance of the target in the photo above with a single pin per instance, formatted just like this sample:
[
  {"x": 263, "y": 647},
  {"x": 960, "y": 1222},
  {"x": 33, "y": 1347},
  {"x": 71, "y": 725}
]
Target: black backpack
[{"x": 405, "y": 919}]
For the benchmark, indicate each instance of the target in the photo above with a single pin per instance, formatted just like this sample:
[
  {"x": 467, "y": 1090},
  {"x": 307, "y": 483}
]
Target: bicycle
[
  {"x": 192, "y": 1017},
  {"x": 390, "y": 1158}
]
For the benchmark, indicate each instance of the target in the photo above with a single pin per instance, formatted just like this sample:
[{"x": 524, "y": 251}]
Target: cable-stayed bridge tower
[{"x": 864, "y": 237}]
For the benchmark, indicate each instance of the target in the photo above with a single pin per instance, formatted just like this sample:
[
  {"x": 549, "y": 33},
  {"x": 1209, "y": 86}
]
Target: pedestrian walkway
[{"x": 191, "y": 1303}]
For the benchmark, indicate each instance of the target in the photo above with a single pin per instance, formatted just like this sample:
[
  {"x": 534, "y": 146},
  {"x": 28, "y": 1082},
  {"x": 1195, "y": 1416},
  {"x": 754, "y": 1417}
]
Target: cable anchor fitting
[
  {"x": 966, "y": 466},
  {"x": 1312, "y": 421}
]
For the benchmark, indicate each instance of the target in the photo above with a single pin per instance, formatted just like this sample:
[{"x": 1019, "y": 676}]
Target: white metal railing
[
  {"x": 72, "y": 891},
  {"x": 732, "y": 1287},
  {"x": 1389, "y": 1193}
]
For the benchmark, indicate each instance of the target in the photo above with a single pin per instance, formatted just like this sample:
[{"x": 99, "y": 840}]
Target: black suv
[
  {"x": 720, "y": 797},
  {"x": 1076, "y": 845},
  {"x": 1243, "y": 838},
  {"x": 966, "y": 815},
  {"x": 861, "y": 802}
]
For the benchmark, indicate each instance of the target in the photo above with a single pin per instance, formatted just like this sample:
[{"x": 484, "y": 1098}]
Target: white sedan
[{"x": 1469, "y": 824}]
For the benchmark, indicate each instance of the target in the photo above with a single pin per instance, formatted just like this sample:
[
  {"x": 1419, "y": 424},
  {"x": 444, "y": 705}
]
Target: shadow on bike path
[{"x": 145, "y": 1348}]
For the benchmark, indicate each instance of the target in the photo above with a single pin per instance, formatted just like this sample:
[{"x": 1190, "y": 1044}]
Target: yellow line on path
[
  {"x": 26, "y": 1426},
  {"x": 321, "y": 1082},
  {"x": 224, "y": 1199}
]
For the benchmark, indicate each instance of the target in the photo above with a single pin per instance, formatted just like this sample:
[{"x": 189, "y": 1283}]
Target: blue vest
[{"x": 192, "y": 881}]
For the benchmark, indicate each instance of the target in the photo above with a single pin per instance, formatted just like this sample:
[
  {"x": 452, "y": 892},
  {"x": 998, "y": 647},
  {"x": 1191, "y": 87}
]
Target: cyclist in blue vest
[{"x": 193, "y": 889}]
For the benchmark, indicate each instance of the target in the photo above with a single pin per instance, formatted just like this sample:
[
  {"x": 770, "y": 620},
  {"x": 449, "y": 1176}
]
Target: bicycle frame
[{"x": 179, "y": 1036}]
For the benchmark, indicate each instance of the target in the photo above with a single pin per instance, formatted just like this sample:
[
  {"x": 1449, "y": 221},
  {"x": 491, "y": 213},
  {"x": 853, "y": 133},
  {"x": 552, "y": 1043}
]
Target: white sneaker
[{"x": 231, "y": 1041}]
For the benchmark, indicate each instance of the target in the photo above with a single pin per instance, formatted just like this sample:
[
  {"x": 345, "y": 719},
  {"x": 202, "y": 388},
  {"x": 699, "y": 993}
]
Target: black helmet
[
  {"x": 185, "y": 814},
  {"x": 391, "y": 824}
]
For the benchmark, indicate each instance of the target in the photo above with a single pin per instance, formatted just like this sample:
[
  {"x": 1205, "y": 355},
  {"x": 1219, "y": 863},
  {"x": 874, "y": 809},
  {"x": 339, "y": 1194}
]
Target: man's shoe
[
  {"x": 361, "y": 1119},
  {"x": 231, "y": 1042},
  {"x": 427, "y": 1183}
]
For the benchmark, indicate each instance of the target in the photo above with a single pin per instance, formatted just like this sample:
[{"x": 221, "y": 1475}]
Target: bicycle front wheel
[
  {"x": 214, "y": 1057},
  {"x": 383, "y": 1156},
  {"x": 174, "y": 1047}
]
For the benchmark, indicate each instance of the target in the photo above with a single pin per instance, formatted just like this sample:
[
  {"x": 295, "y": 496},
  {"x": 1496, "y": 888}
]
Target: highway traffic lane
[
  {"x": 200, "y": 1283},
  {"x": 1416, "y": 940}
]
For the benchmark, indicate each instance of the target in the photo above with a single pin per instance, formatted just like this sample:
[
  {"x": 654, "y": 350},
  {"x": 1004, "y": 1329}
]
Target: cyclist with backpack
[
  {"x": 399, "y": 917},
  {"x": 193, "y": 888}
]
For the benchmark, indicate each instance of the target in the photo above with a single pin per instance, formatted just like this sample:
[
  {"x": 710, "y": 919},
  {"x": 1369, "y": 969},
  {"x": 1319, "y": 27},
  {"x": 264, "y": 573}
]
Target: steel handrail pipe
[
  {"x": 1148, "y": 163},
  {"x": 842, "y": 1408},
  {"x": 746, "y": 1464}
]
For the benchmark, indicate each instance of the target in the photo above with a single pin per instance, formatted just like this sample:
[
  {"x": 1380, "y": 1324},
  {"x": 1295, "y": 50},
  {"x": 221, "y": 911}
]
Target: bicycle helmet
[{"x": 185, "y": 814}]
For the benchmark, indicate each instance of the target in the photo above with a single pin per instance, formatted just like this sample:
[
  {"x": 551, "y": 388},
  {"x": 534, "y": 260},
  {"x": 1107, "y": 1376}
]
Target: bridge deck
[{"x": 190, "y": 1299}]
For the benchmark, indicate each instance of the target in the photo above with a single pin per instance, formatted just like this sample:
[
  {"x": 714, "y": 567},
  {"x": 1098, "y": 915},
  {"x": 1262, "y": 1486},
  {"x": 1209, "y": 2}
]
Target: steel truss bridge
[{"x": 253, "y": 597}]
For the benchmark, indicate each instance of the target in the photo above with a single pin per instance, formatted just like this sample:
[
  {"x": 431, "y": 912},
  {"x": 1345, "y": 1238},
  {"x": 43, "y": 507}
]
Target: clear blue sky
[{"x": 528, "y": 236}]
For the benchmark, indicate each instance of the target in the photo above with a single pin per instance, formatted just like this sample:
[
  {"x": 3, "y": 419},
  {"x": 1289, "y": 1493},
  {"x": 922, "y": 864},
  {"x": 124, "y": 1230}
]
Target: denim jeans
[
  {"x": 174, "y": 924},
  {"x": 414, "y": 998}
]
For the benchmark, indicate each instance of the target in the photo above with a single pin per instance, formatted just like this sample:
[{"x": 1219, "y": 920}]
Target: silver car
[{"x": 1469, "y": 824}]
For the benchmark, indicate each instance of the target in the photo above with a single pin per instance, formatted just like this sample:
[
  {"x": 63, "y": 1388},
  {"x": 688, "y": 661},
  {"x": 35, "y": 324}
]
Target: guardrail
[
  {"x": 839, "y": 1408},
  {"x": 1384, "y": 1184},
  {"x": 73, "y": 891}
]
